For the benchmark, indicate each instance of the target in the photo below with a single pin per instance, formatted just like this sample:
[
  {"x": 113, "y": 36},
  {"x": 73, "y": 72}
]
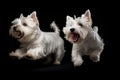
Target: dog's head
[
  {"x": 76, "y": 29},
  {"x": 24, "y": 26}
]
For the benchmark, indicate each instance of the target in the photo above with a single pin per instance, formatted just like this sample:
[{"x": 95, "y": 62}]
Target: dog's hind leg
[{"x": 59, "y": 55}]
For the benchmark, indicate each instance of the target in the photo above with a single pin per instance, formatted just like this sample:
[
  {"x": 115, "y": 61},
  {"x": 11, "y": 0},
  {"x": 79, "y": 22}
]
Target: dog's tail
[
  {"x": 55, "y": 27},
  {"x": 95, "y": 28}
]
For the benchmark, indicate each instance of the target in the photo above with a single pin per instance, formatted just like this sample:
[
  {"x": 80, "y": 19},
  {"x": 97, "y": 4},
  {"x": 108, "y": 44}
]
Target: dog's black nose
[
  {"x": 15, "y": 28},
  {"x": 72, "y": 29}
]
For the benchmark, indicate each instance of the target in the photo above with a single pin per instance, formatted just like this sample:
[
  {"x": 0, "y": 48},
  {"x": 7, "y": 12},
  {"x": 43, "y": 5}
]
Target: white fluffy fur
[
  {"x": 85, "y": 39},
  {"x": 35, "y": 43}
]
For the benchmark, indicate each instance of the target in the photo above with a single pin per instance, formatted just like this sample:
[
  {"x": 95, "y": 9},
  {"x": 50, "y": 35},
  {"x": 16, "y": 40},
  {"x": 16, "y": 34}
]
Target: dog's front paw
[
  {"x": 95, "y": 58},
  {"x": 30, "y": 56},
  {"x": 57, "y": 62},
  {"x": 78, "y": 63},
  {"x": 14, "y": 55}
]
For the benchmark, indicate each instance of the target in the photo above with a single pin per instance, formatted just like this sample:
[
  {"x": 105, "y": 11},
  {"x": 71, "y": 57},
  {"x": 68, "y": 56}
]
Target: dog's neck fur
[
  {"x": 34, "y": 36},
  {"x": 88, "y": 36}
]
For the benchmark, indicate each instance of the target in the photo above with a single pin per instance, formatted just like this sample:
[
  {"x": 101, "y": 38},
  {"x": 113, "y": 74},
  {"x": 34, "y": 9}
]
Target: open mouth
[
  {"x": 19, "y": 34},
  {"x": 75, "y": 37}
]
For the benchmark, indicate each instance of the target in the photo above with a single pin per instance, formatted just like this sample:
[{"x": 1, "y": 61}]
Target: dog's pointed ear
[
  {"x": 33, "y": 15},
  {"x": 69, "y": 18},
  {"x": 14, "y": 21},
  {"x": 21, "y": 15},
  {"x": 87, "y": 15}
]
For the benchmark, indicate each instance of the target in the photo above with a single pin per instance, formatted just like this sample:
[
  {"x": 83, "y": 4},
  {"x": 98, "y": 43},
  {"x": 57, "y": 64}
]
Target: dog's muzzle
[
  {"x": 19, "y": 34},
  {"x": 73, "y": 35}
]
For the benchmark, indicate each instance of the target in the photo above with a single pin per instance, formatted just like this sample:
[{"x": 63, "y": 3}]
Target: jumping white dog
[
  {"x": 36, "y": 44},
  {"x": 85, "y": 39}
]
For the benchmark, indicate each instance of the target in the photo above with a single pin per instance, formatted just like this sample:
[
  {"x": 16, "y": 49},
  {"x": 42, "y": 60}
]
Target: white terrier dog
[
  {"x": 36, "y": 44},
  {"x": 85, "y": 39}
]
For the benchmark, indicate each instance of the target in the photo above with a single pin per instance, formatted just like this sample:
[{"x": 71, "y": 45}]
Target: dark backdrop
[{"x": 47, "y": 11}]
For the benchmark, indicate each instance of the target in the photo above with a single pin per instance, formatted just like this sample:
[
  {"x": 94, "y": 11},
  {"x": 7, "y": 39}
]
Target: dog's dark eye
[
  {"x": 24, "y": 24},
  {"x": 80, "y": 24}
]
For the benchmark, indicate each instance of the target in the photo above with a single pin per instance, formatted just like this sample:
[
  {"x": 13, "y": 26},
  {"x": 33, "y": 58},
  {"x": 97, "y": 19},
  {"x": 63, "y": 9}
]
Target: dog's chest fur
[{"x": 90, "y": 44}]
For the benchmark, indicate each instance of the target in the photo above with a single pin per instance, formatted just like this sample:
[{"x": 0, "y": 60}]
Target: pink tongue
[{"x": 74, "y": 37}]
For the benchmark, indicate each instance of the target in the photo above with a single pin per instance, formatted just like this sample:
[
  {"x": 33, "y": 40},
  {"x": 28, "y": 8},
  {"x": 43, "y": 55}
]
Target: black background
[{"x": 103, "y": 15}]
